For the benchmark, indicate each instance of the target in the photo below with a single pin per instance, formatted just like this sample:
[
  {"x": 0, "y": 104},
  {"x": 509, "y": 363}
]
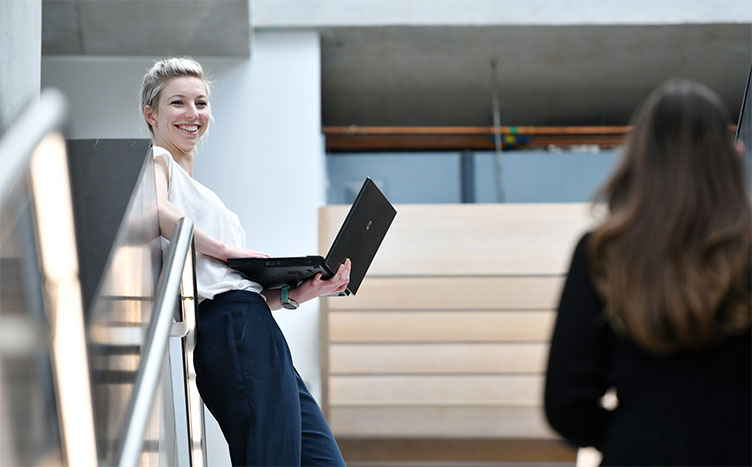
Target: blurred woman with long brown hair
[{"x": 657, "y": 304}]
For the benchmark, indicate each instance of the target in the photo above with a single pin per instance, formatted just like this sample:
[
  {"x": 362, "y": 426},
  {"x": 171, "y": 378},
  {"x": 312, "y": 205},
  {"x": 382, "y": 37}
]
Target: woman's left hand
[
  {"x": 317, "y": 287},
  {"x": 335, "y": 284}
]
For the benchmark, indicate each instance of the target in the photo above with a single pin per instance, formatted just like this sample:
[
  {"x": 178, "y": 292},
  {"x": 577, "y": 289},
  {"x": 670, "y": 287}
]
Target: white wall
[
  {"x": 103, "y": 93},
  {"x": 20, "y": 55},
  {"x": 263, "y": 155}
]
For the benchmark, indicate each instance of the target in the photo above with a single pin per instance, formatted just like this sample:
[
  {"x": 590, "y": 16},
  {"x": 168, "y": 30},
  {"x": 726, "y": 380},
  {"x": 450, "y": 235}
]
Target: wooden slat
[
  {"x": 355, "y": 143},
  {"x": 481, "y": 130},
  {"x": 437, "y": 358},
  {"x": 453, "y": 293},
  {"x": 355, "y": 138},
  {"x": 428, "y": 451},
  {"x": 468, "y": 390},
  {"x": 476, "y": 130},
  {"x": 442, "y": 326},
  {"x": 451, "y": 422},
  {"x": 472, "y": 239}
]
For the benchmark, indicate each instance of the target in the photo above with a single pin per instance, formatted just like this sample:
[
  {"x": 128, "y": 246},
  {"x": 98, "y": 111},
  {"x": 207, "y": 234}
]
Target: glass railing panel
[
  {"x": 118, "y": 322},
  {"x": 29, "y": 423}
]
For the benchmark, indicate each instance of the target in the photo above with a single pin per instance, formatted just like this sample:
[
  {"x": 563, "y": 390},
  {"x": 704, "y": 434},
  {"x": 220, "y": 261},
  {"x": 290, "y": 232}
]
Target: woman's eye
[
  {"x": 202, "y": 104},
  {"x": 176, "y": 102}
]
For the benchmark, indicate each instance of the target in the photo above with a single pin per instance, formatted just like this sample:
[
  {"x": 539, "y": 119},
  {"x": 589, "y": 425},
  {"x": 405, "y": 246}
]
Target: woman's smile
[{"x": 190, "y": 129}]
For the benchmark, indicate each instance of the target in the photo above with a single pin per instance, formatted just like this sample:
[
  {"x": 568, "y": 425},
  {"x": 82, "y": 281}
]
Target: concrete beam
[
  {"x": 139, "y": 27},
  {"x": 343, "y": 13}
]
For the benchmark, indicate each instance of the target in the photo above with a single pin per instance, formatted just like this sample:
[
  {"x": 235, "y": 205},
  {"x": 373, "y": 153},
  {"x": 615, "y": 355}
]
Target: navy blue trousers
[{"x": 246, "y": 378}]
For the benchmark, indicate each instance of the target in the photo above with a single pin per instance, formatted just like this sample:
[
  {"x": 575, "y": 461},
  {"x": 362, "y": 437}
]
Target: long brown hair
[{"x": 672, "y": 258}]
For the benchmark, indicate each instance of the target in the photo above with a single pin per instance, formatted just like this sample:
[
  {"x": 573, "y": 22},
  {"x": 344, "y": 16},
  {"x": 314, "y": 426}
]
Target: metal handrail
[
  {"x": 156, "y": 346},
  {"x": 32, "y": 151}
]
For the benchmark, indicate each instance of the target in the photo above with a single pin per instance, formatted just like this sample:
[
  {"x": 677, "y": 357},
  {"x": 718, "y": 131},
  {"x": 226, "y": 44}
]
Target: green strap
[{"x": 283, "y": 297}]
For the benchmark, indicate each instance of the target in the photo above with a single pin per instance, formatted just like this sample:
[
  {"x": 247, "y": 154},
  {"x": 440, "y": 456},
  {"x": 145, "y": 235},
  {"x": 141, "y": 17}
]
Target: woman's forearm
[
  {"x": 207, "y": 245},
  {"x": 169, "y": 214}
]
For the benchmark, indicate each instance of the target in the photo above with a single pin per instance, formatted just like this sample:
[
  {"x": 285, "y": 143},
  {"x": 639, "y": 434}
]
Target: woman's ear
[{"x": 149, "y": 115}]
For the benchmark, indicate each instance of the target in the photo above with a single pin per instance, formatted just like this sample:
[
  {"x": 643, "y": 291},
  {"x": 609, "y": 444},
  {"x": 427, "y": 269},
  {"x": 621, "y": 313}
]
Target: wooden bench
[{"x": 441, "y": 355}]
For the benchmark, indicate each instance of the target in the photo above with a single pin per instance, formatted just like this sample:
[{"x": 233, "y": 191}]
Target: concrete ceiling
[
  {"x": 546, "y": 75},
  {"x": 145, "y": 27}
]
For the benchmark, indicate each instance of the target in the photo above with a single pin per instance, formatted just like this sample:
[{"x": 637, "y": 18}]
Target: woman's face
[{"x": 182, "y": 114}]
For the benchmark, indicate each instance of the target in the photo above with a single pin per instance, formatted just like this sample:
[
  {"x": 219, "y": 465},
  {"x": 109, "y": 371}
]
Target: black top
[{"x": 688, "y": 408}]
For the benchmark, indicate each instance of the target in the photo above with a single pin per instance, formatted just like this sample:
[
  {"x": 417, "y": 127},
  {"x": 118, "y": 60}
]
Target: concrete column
[{"x": 20, "y": 56}]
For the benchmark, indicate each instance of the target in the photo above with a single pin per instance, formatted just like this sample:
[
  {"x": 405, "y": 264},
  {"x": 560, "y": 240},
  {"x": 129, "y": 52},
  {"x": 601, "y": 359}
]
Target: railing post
[
  {"x": 194, "y": 405},
  {"x": 155, "y": 346}
]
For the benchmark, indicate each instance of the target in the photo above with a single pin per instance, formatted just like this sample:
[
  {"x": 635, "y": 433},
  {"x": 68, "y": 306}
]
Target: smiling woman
[{"x": 243, "y": 365}]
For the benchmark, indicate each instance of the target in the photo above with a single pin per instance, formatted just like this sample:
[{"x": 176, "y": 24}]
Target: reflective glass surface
[{"x": 29, "y": 428}]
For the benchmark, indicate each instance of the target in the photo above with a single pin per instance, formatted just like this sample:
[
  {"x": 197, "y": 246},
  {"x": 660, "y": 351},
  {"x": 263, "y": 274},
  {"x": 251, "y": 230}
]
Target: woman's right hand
[{"x": 238, "y": 252}]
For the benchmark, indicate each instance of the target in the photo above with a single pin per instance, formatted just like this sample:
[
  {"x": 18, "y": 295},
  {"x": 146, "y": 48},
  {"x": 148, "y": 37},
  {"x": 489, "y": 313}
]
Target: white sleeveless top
[{"x": 206, "y": 210}]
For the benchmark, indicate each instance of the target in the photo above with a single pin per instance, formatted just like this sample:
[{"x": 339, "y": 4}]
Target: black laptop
[{"x": 359, "y": 238}]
